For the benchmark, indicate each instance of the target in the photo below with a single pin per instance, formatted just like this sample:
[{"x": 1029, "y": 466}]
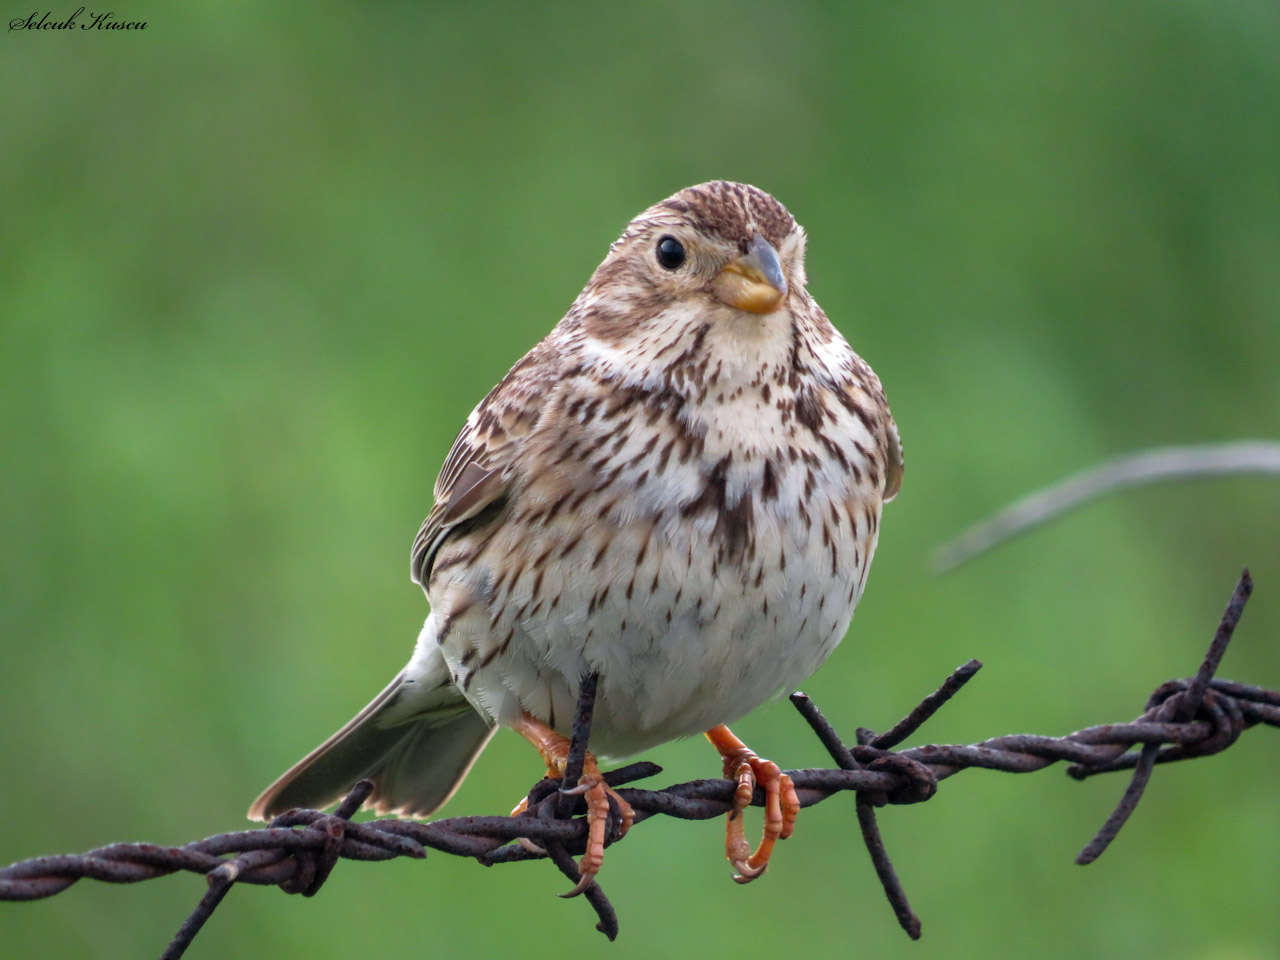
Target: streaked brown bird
[{"x": 678, "y": 489}]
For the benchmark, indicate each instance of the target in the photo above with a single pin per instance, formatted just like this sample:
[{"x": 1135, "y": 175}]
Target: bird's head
[{"x": 719, "y": 254}]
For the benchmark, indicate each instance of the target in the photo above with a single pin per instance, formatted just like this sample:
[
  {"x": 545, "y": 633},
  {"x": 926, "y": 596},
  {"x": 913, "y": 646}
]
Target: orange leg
[
  {"x": 554, "y": 750},
  {"x": 781, "y": 804}
]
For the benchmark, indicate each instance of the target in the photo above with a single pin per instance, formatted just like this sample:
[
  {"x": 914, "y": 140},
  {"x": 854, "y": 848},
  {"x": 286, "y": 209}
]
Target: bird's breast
[{"x": 700, "y": 556}]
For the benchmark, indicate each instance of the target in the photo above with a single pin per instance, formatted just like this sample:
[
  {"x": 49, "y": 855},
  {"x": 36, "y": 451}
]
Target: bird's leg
[
  {"x": 781, "y": 804},
  {"x": 554, "y": 750}
]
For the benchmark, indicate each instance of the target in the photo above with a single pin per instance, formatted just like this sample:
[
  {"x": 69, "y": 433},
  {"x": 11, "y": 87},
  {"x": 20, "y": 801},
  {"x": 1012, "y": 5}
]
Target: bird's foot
[
  {"x": 599, "y": 797},
  {"x": 781, "y": 804}
]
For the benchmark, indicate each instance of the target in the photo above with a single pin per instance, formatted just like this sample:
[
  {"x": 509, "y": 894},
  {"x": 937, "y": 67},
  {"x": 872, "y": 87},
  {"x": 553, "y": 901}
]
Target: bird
[{"x": 678, "y": 490}]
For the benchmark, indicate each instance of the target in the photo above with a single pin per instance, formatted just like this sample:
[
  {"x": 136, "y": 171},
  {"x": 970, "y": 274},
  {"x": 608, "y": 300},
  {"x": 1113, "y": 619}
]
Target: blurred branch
[
  {"x": 1183, "y": 719},
  {"x": 1149, "y": 466}
]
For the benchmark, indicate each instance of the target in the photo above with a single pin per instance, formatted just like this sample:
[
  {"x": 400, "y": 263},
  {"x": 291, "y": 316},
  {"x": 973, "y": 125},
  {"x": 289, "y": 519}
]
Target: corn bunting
[{"x": 679, "y": 489}]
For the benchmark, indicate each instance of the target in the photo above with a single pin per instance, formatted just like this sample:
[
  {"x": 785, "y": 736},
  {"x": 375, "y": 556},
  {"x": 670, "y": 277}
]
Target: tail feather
[{"x": 416, "y": 741}]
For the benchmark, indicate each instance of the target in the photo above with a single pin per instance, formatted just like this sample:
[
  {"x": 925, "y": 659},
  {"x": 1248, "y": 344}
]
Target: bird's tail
[{"x": 415, "y": 741}]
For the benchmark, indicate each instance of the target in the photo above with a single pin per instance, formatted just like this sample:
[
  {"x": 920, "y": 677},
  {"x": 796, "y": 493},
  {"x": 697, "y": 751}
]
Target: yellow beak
[{"x": 753, "y": 282}]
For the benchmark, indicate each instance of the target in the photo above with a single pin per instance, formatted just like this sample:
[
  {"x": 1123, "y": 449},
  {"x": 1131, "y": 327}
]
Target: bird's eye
[{"x": 670, "y": 253}]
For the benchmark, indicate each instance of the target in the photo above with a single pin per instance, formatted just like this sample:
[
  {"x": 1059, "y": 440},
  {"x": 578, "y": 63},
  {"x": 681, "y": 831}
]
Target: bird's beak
[{"x": 753, "y": 282}]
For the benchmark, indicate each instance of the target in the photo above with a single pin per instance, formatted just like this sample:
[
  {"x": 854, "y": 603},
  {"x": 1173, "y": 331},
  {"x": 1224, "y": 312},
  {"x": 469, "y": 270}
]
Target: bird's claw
[
  {"x": 781, "y": 805},
  {"x": 599, "y": 797},
  {"x": 525, "y": 842}
]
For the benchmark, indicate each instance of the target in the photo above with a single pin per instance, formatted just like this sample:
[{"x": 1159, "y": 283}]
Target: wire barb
[
  {"x": 866, "y": 813},
  {"x": 1177, "y": 708},
  {"x": 1183, "y": 719}
]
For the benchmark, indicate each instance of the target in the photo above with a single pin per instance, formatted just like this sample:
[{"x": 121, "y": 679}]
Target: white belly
[
  {"x": 700, "y": 556},
  {"x": 684, "y": 634}
]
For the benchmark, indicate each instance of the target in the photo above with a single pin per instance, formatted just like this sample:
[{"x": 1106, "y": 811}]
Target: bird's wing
[
  {"x": 894, "y": 460},
  {"x": 481, "y": 465},
  {"x": 863, "y": 396}
]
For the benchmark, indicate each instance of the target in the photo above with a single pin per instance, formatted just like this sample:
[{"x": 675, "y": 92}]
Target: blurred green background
[{"x": 259, "y": 261}]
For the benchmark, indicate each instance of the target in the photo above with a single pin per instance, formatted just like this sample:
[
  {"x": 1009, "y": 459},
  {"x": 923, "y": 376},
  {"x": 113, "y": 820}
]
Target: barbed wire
[{"x": 297, "y": 851}]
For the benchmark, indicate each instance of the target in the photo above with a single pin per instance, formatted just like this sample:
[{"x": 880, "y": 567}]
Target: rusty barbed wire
[{"x": 1183, "y": 719}]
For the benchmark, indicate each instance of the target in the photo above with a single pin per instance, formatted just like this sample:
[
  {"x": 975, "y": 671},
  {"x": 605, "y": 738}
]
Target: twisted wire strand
[{"x": 1183, "y": 719}]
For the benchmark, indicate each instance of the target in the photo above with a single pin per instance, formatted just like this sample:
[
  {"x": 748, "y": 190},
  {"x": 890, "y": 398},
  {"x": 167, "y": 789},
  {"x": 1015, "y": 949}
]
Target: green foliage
[{"x": 257, "y": 262}]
